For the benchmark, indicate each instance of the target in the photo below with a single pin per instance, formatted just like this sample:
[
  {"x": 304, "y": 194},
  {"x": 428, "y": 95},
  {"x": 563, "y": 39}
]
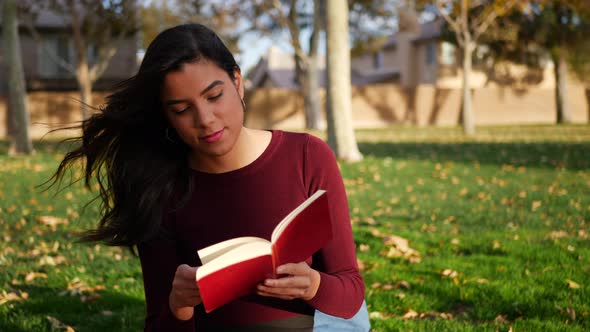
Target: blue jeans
[{"x": 358, "y": 323}]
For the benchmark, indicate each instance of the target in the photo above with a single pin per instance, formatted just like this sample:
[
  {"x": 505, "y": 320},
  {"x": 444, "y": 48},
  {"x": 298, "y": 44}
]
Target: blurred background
[
  {"x": 461, "y": 128},
  {"x": 524, "y": 62}
]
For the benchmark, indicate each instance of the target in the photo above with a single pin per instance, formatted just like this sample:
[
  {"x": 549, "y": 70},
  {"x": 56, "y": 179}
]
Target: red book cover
[{"x": 233, "y": 268}]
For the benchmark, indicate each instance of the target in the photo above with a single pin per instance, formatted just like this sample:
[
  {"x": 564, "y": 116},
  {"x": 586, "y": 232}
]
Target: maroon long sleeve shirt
[{"x": 251, "y": 201}]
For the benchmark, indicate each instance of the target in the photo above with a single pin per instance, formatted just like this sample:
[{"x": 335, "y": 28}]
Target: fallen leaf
[
  {"x": 57, "y": 325},
  {"x": 449, "y": 273},
  {"x": 376, "y": 315},
  {"x": 557, "y": 235},
  {"x": 51, "y": 221},
  {"x": 12, "y": 296},
  {"x": 402, "y": 284},
  {"x": 572, "y": 284},
  {"x": 411, "y": 314},
  {"x": 32, "y": 275}
]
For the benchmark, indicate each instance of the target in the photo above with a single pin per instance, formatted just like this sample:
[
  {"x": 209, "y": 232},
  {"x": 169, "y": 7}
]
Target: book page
[
  {"x": 234, "y": 256},
  {"x": 209, "y": 253}
]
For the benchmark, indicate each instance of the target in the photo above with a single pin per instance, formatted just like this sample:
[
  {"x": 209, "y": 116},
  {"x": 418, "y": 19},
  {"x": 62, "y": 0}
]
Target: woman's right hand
[{"x": 184, "y": 295}]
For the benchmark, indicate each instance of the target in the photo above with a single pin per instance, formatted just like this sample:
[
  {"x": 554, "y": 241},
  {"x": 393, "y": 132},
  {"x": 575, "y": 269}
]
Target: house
[
  {"x": 415, "y": 54},
  {"x": 276, "y": 69},
  {"x": 52, "y": 91},
  {"x": 416, "y": 77}
]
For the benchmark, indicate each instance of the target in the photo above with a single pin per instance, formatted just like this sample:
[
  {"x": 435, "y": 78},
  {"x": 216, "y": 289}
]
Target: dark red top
[{"x": 251, "y": 201}]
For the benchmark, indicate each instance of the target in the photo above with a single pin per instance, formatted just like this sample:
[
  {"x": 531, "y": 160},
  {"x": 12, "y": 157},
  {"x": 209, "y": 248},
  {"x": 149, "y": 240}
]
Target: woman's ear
[{"x": 239, "y": 82}]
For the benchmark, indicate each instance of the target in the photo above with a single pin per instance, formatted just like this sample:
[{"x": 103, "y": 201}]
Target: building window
[
  {"x": 57, "y": 46},
  {"x": 447, "y": 56},
  {"x": 63, "y": 48},
  {"x": 431, "y": 53},
  {"x": 378, "y": 60}
]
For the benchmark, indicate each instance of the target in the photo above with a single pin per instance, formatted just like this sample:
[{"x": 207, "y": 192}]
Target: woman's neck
[{"x": 251, "y": 143}]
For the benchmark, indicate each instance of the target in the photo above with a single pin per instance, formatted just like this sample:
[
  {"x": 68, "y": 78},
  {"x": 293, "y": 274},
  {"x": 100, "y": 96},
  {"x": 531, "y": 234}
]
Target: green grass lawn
[{"x": 497, "y": 230}]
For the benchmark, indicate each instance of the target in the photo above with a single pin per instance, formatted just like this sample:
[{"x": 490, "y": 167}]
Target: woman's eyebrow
[
  {"x": 178, "y": 101},
  {"x": 211, "y": 86}
]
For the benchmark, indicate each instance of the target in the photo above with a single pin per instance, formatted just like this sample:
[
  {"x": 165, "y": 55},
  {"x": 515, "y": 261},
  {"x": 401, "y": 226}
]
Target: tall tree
[
  {"x": 468, "y": 20},
  {"x": 162, "y": 14},
  {"x": 557, "y": 27},
  {"x": 341, "y": 137},
  {"x": 98, "y": 28},
  {"x": 273, "y": 17},
  {"x": 543, "y": 29},
  {"x": 20, "y": 142}
]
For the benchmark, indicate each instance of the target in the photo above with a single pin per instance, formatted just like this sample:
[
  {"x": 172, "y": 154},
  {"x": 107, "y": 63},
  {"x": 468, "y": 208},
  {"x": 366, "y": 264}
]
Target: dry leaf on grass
[
  {"x": 33, "y": 275},
  {"x": 52, "y": 221},
  {"x": 12, "y": 296},
  {"x": 376, "y": 315},
  {"x": 572, "y": 284},
  {"x": 57, "y": 325},
  {"x": 449, "y": 273},
  {"x": 399, "y": 248},
  {"x": 557, "y": 235},
  {"x": 411, "y": 314}
]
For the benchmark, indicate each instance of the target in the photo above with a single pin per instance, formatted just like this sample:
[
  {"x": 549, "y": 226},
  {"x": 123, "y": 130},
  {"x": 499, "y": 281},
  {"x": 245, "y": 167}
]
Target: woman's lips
[{"x": 216, "y": 136}]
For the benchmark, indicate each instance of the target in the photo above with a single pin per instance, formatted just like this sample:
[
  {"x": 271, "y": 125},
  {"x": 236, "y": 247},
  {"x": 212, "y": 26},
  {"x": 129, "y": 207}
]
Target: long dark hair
[{"x": 139, "y": 162}]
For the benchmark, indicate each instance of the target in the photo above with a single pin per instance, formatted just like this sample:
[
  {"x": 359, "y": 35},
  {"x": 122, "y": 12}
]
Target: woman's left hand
[{"x": 301, "y": 282}]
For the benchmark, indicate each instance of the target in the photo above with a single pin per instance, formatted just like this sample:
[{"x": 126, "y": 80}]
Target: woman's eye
[
  {"x": 182, "y": 110},
  {"x": 213, "y": 98}
]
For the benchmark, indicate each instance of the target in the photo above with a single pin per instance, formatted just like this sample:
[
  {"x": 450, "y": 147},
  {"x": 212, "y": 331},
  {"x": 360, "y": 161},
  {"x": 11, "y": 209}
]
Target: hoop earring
[
  {"x": 168, "y": 135},
  {"x": 243, "y": 105}
]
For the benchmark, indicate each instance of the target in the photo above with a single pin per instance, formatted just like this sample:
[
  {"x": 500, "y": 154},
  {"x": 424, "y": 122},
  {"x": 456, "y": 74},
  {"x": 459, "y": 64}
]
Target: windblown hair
[{"x": 140, "y": 171}]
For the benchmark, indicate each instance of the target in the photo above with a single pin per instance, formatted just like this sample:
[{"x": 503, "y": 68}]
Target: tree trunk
[
  {"x": 341, "y": 136},
  {"x": 20, "y": 142},
  {"x": 560, "y": 68},
  {"x": 82, "y": 70},
  {"x": 85, "y": 87},
  {"x": 467, "y": 114},
  {"x": 588, "y": 102},
  {"x": 312, "y": 100}
]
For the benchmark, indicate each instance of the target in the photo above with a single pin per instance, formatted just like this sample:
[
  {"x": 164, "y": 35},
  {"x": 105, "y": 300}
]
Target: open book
[{"x": 233, "y": 268}]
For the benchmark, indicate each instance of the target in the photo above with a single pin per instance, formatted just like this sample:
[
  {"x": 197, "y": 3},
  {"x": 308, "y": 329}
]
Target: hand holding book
[
  {"x": 184, "y": 295},
  {"x": 235, "y": 267},
  {"x": 301, "y": 282}
]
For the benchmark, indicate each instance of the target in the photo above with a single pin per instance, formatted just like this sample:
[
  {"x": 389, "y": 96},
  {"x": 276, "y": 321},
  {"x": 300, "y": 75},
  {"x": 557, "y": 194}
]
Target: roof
[
  {"x": 428, "y": 30},
  {"x": 47, "y": 19}
]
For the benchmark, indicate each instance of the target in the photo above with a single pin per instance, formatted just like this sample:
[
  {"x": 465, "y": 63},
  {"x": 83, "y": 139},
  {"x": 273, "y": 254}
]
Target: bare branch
[
  {"x": 455, "y": 26},
  {"x": 490, "y": 18},
  {"x": 49, "y": 52},
  {"x": 290, "y": 22}
]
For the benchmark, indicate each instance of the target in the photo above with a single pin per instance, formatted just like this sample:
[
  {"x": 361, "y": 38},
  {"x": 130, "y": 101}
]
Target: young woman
[{"x": 178, "y": 171}]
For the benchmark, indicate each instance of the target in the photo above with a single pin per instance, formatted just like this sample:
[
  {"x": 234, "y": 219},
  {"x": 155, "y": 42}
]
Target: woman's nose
[{"x": 204, "y": 117}]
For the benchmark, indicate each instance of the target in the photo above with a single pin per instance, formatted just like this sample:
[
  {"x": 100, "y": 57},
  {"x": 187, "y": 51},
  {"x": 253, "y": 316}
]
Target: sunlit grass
[{"x": 497, "y": 229}]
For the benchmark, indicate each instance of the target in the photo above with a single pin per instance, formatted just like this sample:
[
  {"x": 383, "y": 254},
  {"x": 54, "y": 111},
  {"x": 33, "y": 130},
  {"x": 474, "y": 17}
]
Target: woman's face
[{"x": 204, "y": 105}]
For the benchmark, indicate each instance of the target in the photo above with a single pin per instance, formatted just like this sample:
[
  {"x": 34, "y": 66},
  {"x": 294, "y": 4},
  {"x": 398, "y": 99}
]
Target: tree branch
[
  {"x": 440, "y": 4},
  {"x": 49, "y": 52},
  {"x": 490, "y": 18},
  {"x": 290, "y": 22}
]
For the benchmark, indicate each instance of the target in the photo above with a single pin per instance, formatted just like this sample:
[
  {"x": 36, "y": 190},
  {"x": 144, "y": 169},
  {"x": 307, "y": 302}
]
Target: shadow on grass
[
  {"x": 112, "y": 311},
  {"x": 563, "y": 155},
  {"x": 571, "y": 156}
]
